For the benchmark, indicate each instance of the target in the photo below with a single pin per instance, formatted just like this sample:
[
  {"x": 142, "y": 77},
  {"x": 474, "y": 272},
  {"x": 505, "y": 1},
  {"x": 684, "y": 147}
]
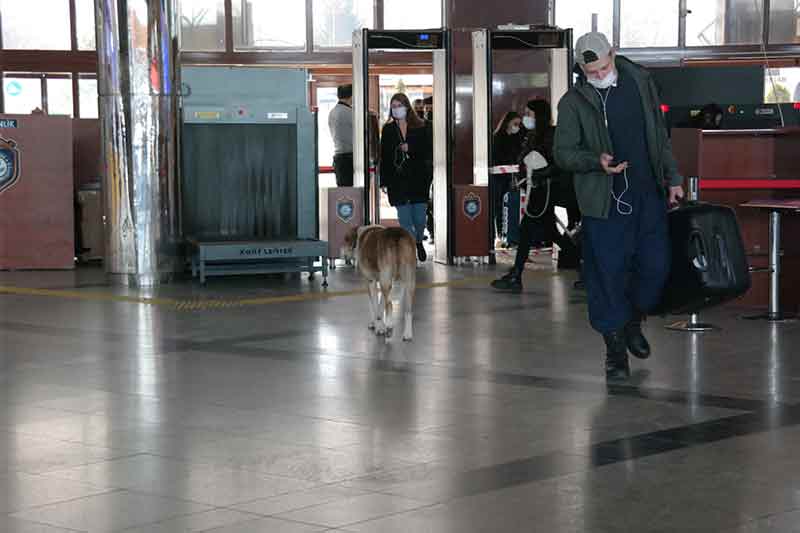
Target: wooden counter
[{"x": 736, "y": 166}]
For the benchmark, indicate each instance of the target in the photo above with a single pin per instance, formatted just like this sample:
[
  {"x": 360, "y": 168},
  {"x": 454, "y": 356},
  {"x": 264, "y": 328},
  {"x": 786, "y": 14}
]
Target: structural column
[{"x": 139, "y": 79}]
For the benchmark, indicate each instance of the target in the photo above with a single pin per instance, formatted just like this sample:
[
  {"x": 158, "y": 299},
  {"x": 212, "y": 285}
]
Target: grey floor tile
[
  {"x": 778, "y": 523},
  {"x": 213, "y": 485},
  {"x": 352, "y": 510},
  {"x": 299, "y": 500},
  {"x": 268, "y": 525},
  {"x": 15, "y": 525},
  {"x": 110, "y": 512},
  {"x": 197, "y": 522},
  {"x": 20, "y": 491}
]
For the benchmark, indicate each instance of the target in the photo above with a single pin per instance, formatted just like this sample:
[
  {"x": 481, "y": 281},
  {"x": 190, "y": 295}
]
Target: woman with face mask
[
  {"x": 550, "y": 186},
  {"x": 506, "y": 146},
  {"x": 406, "y": 166}
]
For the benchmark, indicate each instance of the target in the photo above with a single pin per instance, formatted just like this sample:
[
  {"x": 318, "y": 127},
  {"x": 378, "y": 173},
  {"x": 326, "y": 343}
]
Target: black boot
[
  {"x": 617, "y": 367},
  {"x": 421, "y": 254},
  {"x": 511, "y": 282},
  {"x": 635, "y": 339}
]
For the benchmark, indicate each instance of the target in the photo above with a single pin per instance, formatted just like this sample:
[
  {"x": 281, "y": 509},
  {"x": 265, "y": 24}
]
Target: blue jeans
[{"x": 413, "y": 218}]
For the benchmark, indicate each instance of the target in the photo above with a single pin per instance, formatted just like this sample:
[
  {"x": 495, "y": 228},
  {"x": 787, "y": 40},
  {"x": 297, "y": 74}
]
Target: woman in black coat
[
  {"x": 406, "y": 166},
  {"x": 506, "y": 146},
  {"x": 551, "y": 187}
]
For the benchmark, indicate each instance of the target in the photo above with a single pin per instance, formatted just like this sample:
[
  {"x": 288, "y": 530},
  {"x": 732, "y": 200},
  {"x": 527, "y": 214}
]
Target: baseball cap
[{"x": 591, "y": 47}]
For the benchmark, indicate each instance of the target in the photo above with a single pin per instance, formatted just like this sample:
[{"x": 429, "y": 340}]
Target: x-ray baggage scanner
[
  {"x": 249, "y": 172},
  {"x": 437, "y": 42}
]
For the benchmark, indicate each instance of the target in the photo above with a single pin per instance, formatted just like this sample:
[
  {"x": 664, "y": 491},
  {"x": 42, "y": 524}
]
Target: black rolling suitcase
[{"x": 709, "y": 264}]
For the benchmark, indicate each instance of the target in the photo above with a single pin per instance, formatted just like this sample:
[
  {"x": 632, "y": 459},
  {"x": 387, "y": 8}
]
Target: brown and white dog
[{"x": 385, "y": 256}]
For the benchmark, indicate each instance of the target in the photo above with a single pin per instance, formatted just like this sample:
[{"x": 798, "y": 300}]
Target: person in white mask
[
  {"x": 406, "y": 166},
  {"x": 612, "y": 136},
  {"x": 506, "y": 145}
]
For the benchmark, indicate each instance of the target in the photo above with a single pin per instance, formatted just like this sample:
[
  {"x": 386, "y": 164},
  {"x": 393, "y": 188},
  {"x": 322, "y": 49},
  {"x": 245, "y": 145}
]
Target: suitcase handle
[
  {"x": 724, "y": 259},
  {"x": 697, "y": 252}
]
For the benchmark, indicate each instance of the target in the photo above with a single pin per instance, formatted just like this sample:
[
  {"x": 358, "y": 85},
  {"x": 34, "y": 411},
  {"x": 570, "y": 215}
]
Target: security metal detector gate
[
  {"x": 554, "y": 42},
  {"x": 438, "y": 43}
]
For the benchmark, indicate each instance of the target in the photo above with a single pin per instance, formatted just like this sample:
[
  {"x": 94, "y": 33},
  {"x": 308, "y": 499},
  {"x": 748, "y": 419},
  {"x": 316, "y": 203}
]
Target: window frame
[{"x": 671, "y": 55}]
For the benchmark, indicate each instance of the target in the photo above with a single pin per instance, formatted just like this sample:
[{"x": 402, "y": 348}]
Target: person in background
[
  {"x": 428, "y": 115},
  {"x": 612, "y": 134},
  {"x": 419, "y": 107},
  {"x": 563, "y": 192},
  {"x": 340, "y": 122},
  {"x": 428, "y": 108},
  {"x": 506, "y": 147},
  {"x": 543, "y": 177},
  {"x": 406, "y": 166},
  {"x": 710, "y": 117}
]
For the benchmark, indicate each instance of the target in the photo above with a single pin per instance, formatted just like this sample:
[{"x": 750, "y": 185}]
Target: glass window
[
  {"x": 646, "y": 24},
  {"x": 784, "y": 21},
  {"x": 335, "y": 21},
  {"x": 717, "y": 23},
  {"x": 22, "y": 95},
  {"x": 84, "y": 20},
  {"x": 26, "y": 28},
  {"x": 412, "y": 14},
  {"x": 202, "y": 25},
  {"x": 782, "y": 85},
  {"x": 579, "y": 15},
  {"x": 59, "y": 95},
  {"x": 87, "y": 97},
  {"x": 269, "y": 24}
]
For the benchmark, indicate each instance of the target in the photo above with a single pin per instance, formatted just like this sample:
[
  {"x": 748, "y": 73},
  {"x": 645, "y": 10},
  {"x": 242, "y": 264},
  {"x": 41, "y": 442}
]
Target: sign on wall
[{"x": 9, "y": 163}]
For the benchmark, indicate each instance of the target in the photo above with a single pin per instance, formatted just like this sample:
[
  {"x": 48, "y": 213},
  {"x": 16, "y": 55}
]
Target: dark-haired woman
[
  {"x": 549, "y": 187},
  {"x": 406, "y": 166},
  {"x": 506, "y": 146}
]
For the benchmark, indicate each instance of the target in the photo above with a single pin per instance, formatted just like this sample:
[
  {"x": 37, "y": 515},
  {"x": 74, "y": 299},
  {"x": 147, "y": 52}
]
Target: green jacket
[{"x": 581, "y": 136}]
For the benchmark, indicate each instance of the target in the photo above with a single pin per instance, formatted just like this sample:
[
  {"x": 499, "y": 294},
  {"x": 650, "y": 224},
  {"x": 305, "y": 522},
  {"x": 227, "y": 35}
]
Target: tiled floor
[{"x": 145, "y": 413}]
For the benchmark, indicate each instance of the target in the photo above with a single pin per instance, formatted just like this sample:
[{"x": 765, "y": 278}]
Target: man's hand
[
  {"x": 675, "y": 195},
  {"x": 607, "y": 159},
  {"x": 404, "y": 147}
]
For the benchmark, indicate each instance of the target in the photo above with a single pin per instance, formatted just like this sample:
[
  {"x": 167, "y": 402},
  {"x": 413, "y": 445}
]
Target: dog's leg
[
  {"x": 372, "y": 288},
  {"x": 380, "y": 325},
  {"x": 386, "y": 295},
  {"x": 409, "y": 286}
]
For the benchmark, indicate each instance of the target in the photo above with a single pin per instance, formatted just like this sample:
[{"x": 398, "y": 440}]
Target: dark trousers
[
  {"x": 533, "y": 230},
  {"x": 343, "y": 167},
  {"x": 626, "y": 258},
  {"x": 564, "y": 196},
  {"x": 499, "y": 185}
]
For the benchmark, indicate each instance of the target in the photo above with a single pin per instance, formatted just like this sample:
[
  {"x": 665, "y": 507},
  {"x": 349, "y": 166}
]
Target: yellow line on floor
[{"x": 211, "y": 303}]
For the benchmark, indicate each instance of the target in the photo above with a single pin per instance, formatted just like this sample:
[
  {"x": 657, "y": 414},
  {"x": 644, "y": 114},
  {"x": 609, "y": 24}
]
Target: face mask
[
  {"x": 609, "y": 80},
  {"x": 399, "y": 113},
  {"x": 513, "y": 130},
  {"x": 529, "y": 123}
]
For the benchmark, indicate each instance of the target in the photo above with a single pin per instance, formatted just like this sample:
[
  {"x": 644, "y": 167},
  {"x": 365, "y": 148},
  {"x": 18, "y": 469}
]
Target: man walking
[
  {"x": 340, "y": 122},
  {"x": 611, "y": 134}
]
